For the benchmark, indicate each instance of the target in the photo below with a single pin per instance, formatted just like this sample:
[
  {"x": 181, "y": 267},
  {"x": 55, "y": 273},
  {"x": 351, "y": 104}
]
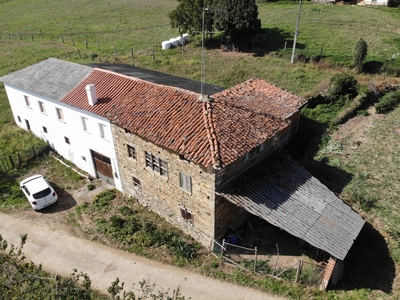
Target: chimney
[{"x": 91, "y": 94}]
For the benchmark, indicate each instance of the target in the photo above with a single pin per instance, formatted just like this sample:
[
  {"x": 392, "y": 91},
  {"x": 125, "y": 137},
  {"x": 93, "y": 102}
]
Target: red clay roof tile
[{"x": 212, "y": 134}]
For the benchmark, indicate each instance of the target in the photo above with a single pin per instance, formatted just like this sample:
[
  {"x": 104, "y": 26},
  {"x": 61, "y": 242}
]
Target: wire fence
[
  {"x": 248, "y": 259},
  {"x": 16, "y": 160}
]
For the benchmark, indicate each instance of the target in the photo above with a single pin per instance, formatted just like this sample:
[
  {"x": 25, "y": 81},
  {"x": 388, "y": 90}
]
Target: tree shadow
[
  {"x": 305, "y": 145},
  {"x": 373, "y": 67},
  {"x": 368, "y": 264},
  {"x": 266, "y": 41},
  {"x": 65, "y": 201}
]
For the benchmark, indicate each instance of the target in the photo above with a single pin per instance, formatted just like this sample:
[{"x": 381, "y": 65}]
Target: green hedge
[{"x": 388, "y": 102}]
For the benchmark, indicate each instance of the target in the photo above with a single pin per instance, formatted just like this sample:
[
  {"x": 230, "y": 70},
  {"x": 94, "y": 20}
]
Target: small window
[
  {"x": 19, "y": 119},
  {"x": 185, "y": 182},
  {"x": 251, "y": 154},
  {"x": 41, "y": 107},
  {"x": 261, "y": 147},
  {"x": 27, "y": 101},
  {"x": 156, "y": 164},
  {"x": 60, "y": 114},
  {"x": 67, "y": 140},
  {"x": 45, "y": 129},
  {"x": 84, "y": 123},
  {"x": 186, "y": 215},
  {"x": 136, "y": 182},
  {"x": 131, "y": 151},
  {"x": 102, "y": 130}
]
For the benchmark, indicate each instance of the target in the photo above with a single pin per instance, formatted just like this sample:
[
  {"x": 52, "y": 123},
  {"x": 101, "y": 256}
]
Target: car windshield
[{"x": 41, "y": 194}]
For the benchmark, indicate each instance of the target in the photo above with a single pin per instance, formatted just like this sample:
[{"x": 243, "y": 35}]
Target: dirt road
[{"x": 59, "y": 252}]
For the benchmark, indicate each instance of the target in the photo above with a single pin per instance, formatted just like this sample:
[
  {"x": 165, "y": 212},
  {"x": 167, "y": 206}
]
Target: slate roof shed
[{"x": 286, "y": 195}]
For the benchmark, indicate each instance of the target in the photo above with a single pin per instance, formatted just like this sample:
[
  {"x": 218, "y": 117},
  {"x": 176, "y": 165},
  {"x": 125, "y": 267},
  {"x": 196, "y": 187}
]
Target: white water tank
[
  {"x": 166, "y": 45},
  {"x": 174, "y": 42},
  {"x": 186, "y": 37}
]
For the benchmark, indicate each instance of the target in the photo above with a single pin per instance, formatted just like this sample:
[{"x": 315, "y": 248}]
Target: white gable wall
[{"x": 71, "y": 127}]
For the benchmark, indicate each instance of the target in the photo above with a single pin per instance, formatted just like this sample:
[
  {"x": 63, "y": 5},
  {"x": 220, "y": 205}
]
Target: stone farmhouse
[{"x": 204, "y": 163}]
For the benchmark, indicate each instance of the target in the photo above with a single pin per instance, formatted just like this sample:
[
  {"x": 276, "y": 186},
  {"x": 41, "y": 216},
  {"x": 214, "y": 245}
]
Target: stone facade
[{"x": 163, "y": 193}]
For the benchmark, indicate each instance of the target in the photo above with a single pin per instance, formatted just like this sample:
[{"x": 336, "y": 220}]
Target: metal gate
[{"x": 103, "y": 167}]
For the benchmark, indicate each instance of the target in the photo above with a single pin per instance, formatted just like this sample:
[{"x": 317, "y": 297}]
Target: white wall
[{"x": 81, "y": 141}]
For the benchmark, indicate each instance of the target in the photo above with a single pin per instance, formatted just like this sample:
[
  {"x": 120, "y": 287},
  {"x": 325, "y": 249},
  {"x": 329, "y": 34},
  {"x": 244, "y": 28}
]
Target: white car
[{"x": 38, "y": 191}]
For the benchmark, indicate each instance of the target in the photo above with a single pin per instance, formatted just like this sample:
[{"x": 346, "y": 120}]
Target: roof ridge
[{"x": 211, "y": 134}]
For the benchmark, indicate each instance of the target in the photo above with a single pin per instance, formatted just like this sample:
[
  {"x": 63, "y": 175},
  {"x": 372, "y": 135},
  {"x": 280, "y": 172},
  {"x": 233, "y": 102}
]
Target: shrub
[
  {"x": 91, "y": 186},
  {"x": 340, "y": 85},
  {"x": 360, "y": 52},
  {"x": 351, "y": 111},
  {"x": 388, "y": 102}
]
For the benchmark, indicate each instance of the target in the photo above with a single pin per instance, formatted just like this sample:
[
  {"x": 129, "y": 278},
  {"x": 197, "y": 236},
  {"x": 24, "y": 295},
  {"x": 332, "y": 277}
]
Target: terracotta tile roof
[
  {"x": 213, "y": 134},
  {"x": 261, "y": 97}
]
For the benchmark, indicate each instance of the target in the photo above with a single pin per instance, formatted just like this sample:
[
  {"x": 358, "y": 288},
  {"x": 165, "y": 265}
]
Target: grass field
[{"x": 367, "y": 176}]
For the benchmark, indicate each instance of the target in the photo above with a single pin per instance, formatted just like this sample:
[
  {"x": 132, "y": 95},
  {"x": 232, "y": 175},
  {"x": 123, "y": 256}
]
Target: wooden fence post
[
  {"x": 98, "y": 45},
  {"x": 152, "y": 54},
  {"x": 62, "y": 38},
  {"x": 132, "y": 52},
  {"x": 20, "y": 36},
  {"x": 41, "y": 33},
  {"x": 115, "y": 50},
  {"x": 73, "y": 42},
  {"x": 300, "y": 265},
  {"x": 86, "y": 44},
  {"x": 222, "y": 250},
  {"x": 9, "y": 36},
  {"x": 32, "y": 37},
  {"x": 79, "y": 52},
  {"x": 255, "y": 259}
]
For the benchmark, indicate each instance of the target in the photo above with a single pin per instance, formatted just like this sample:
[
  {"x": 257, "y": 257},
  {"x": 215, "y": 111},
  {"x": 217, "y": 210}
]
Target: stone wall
[
  {"x": 163, "y": 194},
  {"x": 227, "y": 214}
]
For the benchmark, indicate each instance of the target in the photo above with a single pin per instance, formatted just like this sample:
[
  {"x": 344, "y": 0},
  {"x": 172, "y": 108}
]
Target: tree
[
  {"x": 238, "y": 20},
  {"x": 360, "y": 52},
  {"x": 187, "y": 17}
]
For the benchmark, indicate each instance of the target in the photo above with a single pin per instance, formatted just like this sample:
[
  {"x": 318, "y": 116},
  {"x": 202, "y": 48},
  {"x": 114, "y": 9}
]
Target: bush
[
  {"x": 360, "y": 52},
  {"x": 351, "y": 111},
  {"x": 387, "y": 102},
  {"x": 340, "y": 85}
]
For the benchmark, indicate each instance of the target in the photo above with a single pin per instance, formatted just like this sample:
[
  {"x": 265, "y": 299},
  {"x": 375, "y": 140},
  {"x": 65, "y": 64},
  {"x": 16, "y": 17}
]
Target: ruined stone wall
[{"x": 163, "y": 194}]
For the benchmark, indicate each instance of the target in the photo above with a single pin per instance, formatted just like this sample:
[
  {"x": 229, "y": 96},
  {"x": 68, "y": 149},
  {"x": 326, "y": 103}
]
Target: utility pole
[
  {"x": 296, "y": 34},
  {"x": 202, "y": 54}
]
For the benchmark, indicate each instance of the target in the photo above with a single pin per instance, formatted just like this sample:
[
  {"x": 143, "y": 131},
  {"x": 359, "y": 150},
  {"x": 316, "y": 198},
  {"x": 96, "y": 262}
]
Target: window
[
  {"x": 102, "y": 129},
  {"x": 67, "y": 140},
  {"x": 19, "y": 119},
  {"x": 60, "y": 114},
  {"x": 261, "y": 147},
  {"x": 131, "y": 151},
  {"x": 156, "y": 164},
  {"x": 185, "y": 182},
  {"x": 84, "y": 123},
  {"x": 45, "y": 129},
  {"x": 251, "y": 153},
  {"x": 41, "y": 107},
  {"x": 186, "y": 215},
  {"x": 27, "y": 101},
  {"x": 136, "y": 183}
]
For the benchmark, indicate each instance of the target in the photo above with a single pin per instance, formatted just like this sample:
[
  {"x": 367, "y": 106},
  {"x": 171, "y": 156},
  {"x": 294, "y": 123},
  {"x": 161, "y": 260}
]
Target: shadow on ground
[
  {"x": 65, "y": 201},
  {"x": 368, "y": 264}
]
